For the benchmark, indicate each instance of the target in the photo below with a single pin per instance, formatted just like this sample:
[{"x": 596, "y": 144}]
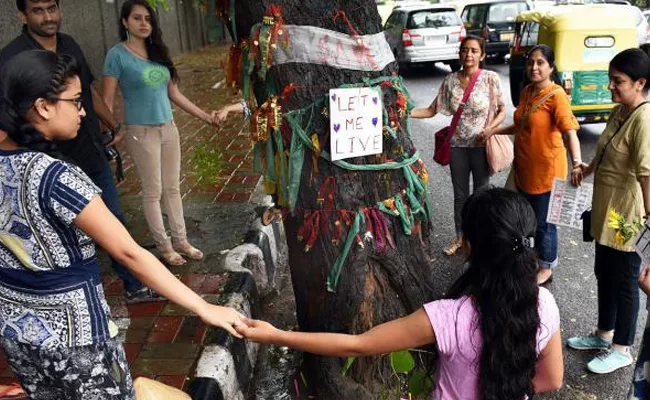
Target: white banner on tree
[
  {"x": 356, "y": 123},
  {"x": 313, "y": 45},
  {"x": 568, "y": 203}
]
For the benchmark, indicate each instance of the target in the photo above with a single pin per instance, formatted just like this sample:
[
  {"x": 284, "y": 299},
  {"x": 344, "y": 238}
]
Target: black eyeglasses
[{"x": 77, "y": 101}]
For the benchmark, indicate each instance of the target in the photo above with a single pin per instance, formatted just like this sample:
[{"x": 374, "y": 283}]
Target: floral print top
[{"x": 485, "y": 99}]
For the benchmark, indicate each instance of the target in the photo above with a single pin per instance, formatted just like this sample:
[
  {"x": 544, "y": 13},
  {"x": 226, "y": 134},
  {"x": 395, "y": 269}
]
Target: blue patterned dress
[{"x": 55, "y": 325}]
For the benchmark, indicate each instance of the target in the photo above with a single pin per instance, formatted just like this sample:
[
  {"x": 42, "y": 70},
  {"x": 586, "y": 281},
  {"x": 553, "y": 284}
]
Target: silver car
[{"x": 419, "y": 33}]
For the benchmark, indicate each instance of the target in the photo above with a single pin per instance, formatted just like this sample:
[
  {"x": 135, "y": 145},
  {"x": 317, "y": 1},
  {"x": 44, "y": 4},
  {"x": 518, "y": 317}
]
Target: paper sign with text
[
  {"x": 568, "y": 202},
  {"x": 642, "y": 243},
  {"x": 356, "y": 123}
]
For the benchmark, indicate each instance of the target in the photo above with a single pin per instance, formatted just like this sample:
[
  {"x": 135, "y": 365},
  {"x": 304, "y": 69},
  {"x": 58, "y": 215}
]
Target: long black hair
[
  {"x": 156, "y": 49},
  {"x": 501, "y": 281},
  {"x": 27, "y": 77}
]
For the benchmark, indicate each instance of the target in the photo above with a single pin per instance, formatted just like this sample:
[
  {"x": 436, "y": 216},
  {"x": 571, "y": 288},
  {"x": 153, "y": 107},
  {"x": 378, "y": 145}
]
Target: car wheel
[{"x": 454, "y": 65}]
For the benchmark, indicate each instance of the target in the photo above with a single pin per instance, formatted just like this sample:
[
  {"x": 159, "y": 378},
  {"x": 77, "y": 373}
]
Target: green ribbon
[
  {"x": 265, "y": 47},
  {"x": 335, "y": 274},
  {"x": 249, "y": 64},
  {"x": 231, "y": 15}
]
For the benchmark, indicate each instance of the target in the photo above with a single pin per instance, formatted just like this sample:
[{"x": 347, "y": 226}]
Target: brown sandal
[
  {"x": 172, "y": 257},
  {"x": 188, "y": 250},
  {"x": 454, "y": 247}
]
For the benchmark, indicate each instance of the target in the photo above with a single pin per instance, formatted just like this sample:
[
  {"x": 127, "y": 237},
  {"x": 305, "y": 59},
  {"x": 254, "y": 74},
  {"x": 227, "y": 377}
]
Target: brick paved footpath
[{"x": 164, "y": 341}]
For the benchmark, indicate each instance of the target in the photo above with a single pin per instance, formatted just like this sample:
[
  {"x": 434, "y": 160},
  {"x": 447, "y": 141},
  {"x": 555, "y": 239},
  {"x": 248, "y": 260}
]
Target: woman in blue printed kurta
[{"x": 55, "y": 325}]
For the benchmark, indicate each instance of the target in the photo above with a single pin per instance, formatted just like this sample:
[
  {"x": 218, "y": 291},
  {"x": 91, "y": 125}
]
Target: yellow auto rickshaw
[{"x": 584, "y": 38}]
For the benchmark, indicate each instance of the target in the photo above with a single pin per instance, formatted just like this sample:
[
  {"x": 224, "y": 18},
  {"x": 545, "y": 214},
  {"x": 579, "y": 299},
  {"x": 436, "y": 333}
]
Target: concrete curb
[{"x": 225, "y": 368}]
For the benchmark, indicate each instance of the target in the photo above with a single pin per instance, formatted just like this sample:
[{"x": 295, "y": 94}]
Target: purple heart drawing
[
  {"x": 374, "y": 100},
  {"x": 334, "y": 97},
  {"x": 336, "y": 127},
  {"x": 375, "y": 120}
]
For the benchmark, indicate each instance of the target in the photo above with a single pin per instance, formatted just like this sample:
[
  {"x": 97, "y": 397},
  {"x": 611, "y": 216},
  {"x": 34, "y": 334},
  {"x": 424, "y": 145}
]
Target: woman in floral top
[{"x": 485, "y": 110}]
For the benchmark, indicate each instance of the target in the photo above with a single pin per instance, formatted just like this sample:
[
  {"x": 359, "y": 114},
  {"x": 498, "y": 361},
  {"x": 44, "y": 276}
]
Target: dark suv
[{"x": 495, "y": 22}]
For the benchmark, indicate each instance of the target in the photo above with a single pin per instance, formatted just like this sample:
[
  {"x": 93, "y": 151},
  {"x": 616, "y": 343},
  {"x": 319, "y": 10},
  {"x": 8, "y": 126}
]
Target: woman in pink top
[{"x": 498, "y": 333}]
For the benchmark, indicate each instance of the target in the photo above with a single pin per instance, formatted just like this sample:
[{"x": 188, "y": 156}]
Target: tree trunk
[{"x": 376, "y": 285}]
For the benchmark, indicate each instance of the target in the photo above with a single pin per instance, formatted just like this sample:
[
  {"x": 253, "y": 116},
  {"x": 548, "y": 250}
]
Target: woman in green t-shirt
[{"x": 140, "y": 64}]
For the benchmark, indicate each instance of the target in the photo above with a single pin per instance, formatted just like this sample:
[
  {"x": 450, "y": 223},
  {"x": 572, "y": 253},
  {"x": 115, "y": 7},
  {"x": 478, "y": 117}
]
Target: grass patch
[{"x": 207, "y": 162}]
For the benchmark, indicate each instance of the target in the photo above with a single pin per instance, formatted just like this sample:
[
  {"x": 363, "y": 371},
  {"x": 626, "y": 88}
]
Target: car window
[
  {"x": 474, "y": 16},
  {"x": 391, "y": 21},
  {"x": 505, "y": 12},
  {"x": 529, "y": 34},
  {"x": 432, "y": 19}
]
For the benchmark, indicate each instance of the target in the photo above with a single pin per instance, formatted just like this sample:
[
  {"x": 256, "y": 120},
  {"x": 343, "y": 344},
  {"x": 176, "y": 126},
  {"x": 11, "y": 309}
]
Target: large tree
[{"x": 386, "y": 273}]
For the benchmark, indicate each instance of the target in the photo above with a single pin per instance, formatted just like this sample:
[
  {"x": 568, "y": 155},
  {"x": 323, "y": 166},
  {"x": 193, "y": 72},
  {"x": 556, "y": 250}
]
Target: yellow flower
[
  {"x": 614, "y": 219},
  {"x": 620, "y": 238}
]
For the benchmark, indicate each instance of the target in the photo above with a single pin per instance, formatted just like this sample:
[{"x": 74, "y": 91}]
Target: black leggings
[{"x": 618, "y": 292}]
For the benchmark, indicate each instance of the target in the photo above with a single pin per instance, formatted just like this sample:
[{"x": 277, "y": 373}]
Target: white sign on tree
[{"x": 356, "y": 123}]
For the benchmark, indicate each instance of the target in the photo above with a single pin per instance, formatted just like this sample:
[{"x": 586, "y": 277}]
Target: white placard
[
  {"x": 642, "y": 244},
  {"x": 568, "y": 202},
  {"x": 356, "y": 123}
]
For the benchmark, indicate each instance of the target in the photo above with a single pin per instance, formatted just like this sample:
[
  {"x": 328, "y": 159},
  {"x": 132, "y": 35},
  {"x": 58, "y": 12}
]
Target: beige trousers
[{"x": 156, "y": 153}]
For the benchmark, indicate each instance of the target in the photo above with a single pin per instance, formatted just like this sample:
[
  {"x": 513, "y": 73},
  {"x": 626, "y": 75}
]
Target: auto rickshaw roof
[{"x": 580, "y": 17}]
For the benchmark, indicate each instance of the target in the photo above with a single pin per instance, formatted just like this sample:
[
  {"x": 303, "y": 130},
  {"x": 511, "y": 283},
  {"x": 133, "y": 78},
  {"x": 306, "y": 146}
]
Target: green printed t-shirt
[{"x": 143, "y": 84}]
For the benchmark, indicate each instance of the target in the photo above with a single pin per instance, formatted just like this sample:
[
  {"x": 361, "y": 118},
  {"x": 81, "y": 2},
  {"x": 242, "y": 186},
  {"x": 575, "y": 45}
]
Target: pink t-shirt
[{"x": 459, "y": 343}]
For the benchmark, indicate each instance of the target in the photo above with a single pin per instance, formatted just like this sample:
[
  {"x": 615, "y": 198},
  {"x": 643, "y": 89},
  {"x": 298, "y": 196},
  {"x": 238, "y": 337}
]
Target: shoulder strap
[
  {"x": 543, "y": 100},
  {"x": 602, "y": 154},
  {"x": 466, "y": 94}
]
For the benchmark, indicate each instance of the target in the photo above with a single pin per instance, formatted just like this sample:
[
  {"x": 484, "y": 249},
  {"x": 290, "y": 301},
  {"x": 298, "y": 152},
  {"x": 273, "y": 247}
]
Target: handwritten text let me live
[{"x": 356, "y": 123}]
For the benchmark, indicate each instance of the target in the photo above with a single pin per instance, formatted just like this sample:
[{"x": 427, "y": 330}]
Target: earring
[
  {"x": 150, "y": 40},
  {"x": 128, "y": 35}
]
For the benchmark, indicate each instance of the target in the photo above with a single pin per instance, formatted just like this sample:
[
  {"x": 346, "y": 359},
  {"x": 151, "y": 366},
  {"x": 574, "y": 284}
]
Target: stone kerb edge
[{"x": 225, "y": 367}]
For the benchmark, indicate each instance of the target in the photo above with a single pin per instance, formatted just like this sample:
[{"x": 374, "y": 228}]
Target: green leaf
[
  {"x": 420, "y": 384},
  {"x": 348, "y": 364},
  {"x": 402, "y": 362}
]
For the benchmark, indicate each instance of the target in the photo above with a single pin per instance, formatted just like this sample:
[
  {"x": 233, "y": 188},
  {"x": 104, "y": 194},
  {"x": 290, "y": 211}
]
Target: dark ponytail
[
  {"x": 27, "y": 77},
  {"x": 501, "y": 281}
]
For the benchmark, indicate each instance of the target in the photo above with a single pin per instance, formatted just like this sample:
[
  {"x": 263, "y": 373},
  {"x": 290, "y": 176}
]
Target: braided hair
[{"x": 27, "y": 77}]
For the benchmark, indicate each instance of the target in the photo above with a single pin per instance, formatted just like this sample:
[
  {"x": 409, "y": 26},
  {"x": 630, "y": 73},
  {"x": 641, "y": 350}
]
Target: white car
[{"x": 424, "y": 32}]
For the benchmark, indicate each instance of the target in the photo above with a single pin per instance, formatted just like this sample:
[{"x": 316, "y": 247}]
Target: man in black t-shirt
[{"x": 41, "y": 23}]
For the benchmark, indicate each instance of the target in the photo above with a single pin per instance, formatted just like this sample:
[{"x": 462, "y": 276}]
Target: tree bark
[{"x": 375, "y": 286}]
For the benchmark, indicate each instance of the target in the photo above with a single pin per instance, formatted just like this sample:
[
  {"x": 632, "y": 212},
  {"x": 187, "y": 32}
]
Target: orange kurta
[{"x": 540, "y": 154}]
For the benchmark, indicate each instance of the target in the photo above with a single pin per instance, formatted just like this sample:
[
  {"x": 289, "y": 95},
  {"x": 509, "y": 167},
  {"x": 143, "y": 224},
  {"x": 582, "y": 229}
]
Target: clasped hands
[{"x": 238, "y": 324}]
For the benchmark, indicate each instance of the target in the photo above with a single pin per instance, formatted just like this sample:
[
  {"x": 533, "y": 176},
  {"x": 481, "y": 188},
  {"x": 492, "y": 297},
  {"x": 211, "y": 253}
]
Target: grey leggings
[{"x": 466, "y": 160}]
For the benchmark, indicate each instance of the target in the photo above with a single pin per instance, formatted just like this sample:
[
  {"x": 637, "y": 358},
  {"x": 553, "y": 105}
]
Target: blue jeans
[
  {"x": 546, "y": 235},
  {"x": 104, "y": 180}
]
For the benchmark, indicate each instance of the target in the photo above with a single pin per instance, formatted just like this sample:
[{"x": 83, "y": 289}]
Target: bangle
[
  {"x": 576, "y": 162},
  {"x": 245, "y": 109}
]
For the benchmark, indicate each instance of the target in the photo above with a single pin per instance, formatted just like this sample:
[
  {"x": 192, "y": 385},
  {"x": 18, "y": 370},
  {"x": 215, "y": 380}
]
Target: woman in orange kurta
[{"x": 544, "y": 124}]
